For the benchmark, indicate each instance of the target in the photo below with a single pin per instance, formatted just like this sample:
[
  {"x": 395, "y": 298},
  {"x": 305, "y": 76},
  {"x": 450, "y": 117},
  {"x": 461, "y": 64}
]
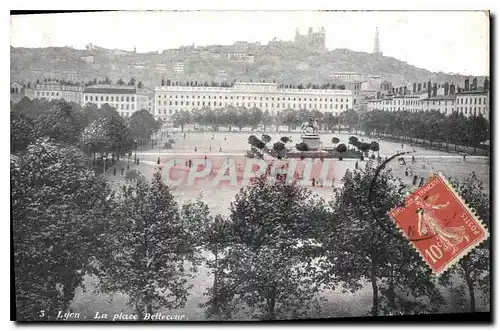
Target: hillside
[{"x": 28, "y": 64}]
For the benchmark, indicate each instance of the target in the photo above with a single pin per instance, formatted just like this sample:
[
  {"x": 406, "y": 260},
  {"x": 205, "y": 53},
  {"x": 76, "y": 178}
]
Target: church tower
[{"x": 376, "y": 44}]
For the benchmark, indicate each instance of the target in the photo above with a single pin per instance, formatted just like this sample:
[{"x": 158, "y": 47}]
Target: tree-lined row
[
  {"x": 278, "y": 248},
  {"x": 94, "y": 130},
  {"x": 433, "y": 126},
  {"x": 254, "y": 117}
]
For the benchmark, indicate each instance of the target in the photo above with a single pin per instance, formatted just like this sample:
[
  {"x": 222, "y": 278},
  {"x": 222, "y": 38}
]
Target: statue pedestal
[{"x": 312, "y": 141}]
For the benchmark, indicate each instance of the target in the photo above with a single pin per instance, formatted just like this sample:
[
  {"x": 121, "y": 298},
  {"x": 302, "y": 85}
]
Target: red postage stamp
[{"x": 439, "y": 224}]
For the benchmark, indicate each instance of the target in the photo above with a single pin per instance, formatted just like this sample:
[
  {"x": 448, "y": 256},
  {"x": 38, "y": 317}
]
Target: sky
[{"x": 447, "y": 41}]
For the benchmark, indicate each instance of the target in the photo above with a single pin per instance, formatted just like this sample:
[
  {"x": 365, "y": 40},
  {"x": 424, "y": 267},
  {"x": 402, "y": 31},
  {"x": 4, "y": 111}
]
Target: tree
[
  {"x": 60, "y": 211},
  {"x": 361, "y": 245},
  {"x": 217, "y": 238},
  {"x": 22, "y": 131},
  {"x": 61, "y": 122},
  {"x": 254, "y": 118},
  {"x": 142, "y": 125},
  {"x": 374, "y": 146},
  {"x": 353, "y": 140},
  {"x": 268, "y": 263},
  {"x": 341, "y": 148},
  {"x": 120, "y": 82},
  {"x": 148, "y": 249},
  {"x": 478, "y": 131},
  {"x": 474, "y": 268},
  {"x": 181, "y": 118},
  {"x": 132, "y": 82},
  {"x": 106, "y": 135}
]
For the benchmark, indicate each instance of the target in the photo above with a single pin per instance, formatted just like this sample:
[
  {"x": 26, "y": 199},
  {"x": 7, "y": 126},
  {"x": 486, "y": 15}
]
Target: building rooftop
[
  {"x": 441, "y": 97},
  {"x": 479, "y": 91},
  {"x": 111, "y": 89}
]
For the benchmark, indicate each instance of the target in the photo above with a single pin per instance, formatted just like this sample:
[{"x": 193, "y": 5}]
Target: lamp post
[
  {"x": 104, "y": 159},
  {"x": 128, "y": 162},
  {"x": 135, "y": 155}
]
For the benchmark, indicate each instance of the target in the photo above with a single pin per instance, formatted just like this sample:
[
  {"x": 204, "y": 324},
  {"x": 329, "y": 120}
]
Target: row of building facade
[
  {"x": 165, "y": 101},
  {"x": 469, "y": 103}
]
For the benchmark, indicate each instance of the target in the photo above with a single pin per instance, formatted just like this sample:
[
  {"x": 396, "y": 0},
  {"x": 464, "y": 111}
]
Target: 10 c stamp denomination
[{"x": 439, "y": 224}]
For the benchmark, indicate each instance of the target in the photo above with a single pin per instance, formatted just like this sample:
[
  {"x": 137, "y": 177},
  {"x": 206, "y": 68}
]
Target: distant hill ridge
[{"x": 287, "y": 66}]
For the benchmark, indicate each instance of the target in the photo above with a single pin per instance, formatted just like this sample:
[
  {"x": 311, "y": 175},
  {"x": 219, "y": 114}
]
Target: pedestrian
[
  {"x": 464, "y": 157},
  {"x": 114, "y": 171},
  {"x": 195, "y": 149},
  {"x": 402, "y": 146},
  {"x": 356, "y": 165},
  {"x": 220, "y": 149},
  {"x": 406, "y": 172},
  {"x": 313, "y": 182},
  {"x": 415, "y": 178},
  {"x": 225, "y": 138},
  {"x": 413, "y": 159},
  {"x": 333, "y": 182},
  {"x": 209, "y": 148},
  {"x": 122, "y": 171},
  {"x": 190, "y": 163},
  {"x": 421, "y": 182}
]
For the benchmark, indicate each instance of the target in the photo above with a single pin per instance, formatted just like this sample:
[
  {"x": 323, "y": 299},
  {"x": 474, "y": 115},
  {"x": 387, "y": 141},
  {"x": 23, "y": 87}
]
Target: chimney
[
  {"x": 467, "y": 84},
  {"x": 414, "y": 87},
  {"x": 474, "y": 83},
  {"x": 434, "y": 90},
  {"x": 419, "y": 87},
  {"x": 429, "y": 89},
  {"x": 446, "y": 88},
  {"x": 452, "y": 89}
]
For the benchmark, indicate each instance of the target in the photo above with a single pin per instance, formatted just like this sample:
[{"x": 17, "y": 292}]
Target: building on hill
[
  {"x": 312, "y": 41},
  {"x": 265, "y": 96},
  {"x": 59, "y": 91},
  {"x": 125, "y": 99}
]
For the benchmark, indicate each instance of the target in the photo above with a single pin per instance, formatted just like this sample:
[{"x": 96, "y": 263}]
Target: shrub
[
  {"x": 341, "y": 148},
  {"x": 284, "y": 139},
  {"x": 302, "y": 147}
]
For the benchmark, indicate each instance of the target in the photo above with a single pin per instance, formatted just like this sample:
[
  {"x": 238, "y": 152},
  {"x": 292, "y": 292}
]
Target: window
[
  {"x": 182, "y": 103},
  {"x": 170, "y": 103},
  {"x": 176, "y": 102},
  {"x": 107, "y": 98},
  {"x": 122, "y": 107},
  {"x": 341, "y": 106},
  {"x": 112, "y": 98},
  {"x": 479, "y": 100},
  {"x": 132, "y": 99},
  {"x": 159, "y": 102},
  {"x": 122, "y": 98},
  {"x": 127, "y": 106},
  {"x": 86, "y": 97}
]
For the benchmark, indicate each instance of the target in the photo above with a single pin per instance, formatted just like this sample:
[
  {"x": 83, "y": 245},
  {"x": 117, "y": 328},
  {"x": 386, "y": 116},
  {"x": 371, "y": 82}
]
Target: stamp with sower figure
[{"x": 439, "y": 224}]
